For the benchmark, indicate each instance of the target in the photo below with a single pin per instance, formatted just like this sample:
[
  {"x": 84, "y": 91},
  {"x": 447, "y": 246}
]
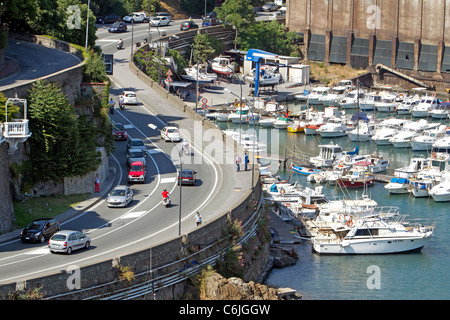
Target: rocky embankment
[{"x": 216, "y": 287}]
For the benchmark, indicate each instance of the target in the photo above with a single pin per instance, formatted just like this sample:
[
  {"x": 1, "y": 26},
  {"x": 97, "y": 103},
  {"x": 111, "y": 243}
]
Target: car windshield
[
  {"x": 119, "y": 193},
  {"x": 185, "y": 23},
  {"x": 136, "y": 154},
  {"x": 187, "y": 174},
  {"x": 59, "y": 237},
  {"x": 137, "y": 143},
  {"x": 172, "y": 130},
  {"x": 116, "y": 25},
  {"x": 136, "y": 168},
  {"x": 36, "y": 224},
  {"x": 119, "y": 127}
]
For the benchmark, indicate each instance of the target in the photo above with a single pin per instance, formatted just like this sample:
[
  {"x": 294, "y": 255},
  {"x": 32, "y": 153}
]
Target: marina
[{"x": 316, "y": 273}]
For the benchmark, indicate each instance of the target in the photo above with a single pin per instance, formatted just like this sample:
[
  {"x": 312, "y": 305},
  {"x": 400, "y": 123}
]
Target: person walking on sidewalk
[
  {"x": 97, "y": 183},
  {"x": 198, "y": 218},
  {"x": 238, "y": 163},
  {"x": 245, "y": 161}
]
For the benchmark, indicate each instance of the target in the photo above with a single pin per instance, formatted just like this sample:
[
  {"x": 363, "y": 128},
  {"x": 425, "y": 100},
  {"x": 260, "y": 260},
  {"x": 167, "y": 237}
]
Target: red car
[
  {"x": 119, "y": 132},
  {"x": 137, "y": 172}
]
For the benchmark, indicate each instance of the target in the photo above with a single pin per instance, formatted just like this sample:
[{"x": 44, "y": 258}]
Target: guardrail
[{"x": 149, "y": 284}]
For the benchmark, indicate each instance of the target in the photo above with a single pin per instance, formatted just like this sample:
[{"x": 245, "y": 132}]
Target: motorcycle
[
  {"x": 111, "y": 109},
  {"x": 167, "y": 202},
  {"x": 119, "y": 46},
  {"x": 122, "y": 106}
]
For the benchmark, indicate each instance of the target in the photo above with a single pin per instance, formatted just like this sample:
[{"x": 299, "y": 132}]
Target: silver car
[
  {"x": 134, "y": 155},
  {"x": 68, "y": 240},
  {"x": 121, "y": 196}
]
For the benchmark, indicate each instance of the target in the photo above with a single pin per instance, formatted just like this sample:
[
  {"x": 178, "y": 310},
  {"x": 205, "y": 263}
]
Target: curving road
[
  {"x": 35, "y": 61},
  {"x": 145, "y": 222}
]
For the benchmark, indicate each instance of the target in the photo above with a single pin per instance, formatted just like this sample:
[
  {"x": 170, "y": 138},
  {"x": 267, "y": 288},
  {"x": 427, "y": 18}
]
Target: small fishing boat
[
  {"x": 357, "y": 177},
  {"x": 304, "y": 170}
]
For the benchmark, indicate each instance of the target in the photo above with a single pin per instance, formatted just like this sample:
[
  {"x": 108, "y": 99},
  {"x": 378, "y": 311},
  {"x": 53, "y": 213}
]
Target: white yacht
[
  {"x": 411, "y": 129},
  {"x": 441, "y": 112},
  {"x": 363, "y": 132},
  {"x": 282, "y": 123},
  {"x": 223, "y": 65},
  {"x": 398, "y": 185},
  {"x": 387, "y": 129},
  {"x": 316, "y": 93},
  {"x": 386, "y": 104},
  {"x": 334, "y": 96},
  {"x": 368, "y": 103},
  {"x": 442, "y": 145},
  {"x": 267, "y": 122},
  {"x": 380, "y": 231},
  {"x": 425, "y": 105},
  {"x": 203, "y": 75},
  {"x": 330, "y": 154},
  {"x": 406, "y": 106},
  {"x": 240, "y": 116},
  {"x": 417, "y": 163},
  {"x": 333, "y": 129},
  {"x": 425, "y": 141},
  {"x": 441, "y": 191},
  {"x": 350, "y": 101},
  {"x": 438, "y": 166},
  {"x": 420, "y": 188}
]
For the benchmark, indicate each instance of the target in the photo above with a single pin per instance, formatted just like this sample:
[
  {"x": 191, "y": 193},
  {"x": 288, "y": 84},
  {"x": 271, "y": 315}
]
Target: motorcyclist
[
  {"x": 185, "y": 147},
  {"x": 111, "y": 106},
  {"x": 165, "y": 194}
]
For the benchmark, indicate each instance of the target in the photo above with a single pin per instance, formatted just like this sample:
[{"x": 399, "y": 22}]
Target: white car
[
  {"x": 68, "y": 240},
  {"x": 136, "y": 17},
  {"x": 159, "y": 21},
  {"x": 171, "y": 134},
  {"x": 129, "y": 97},
  {"x": 121, "y": 196}
]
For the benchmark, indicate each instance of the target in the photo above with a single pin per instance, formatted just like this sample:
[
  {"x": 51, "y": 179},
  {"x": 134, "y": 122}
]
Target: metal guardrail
[{"x": 151, "y": 284}]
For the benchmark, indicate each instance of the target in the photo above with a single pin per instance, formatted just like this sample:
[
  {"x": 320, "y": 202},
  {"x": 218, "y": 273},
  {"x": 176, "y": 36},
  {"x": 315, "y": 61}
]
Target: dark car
[
  {"x": 187, "y": 176},
  {"x": 210, "y": 15},
  {"x": 119, "y": 132},
  {"x": 209, "y": 22},
  {"x": 188, "y": 25},
  {"x": 118, "y": 27},
  {"x": 39, "y": 230},
  {"x": 108, "y": 19}
]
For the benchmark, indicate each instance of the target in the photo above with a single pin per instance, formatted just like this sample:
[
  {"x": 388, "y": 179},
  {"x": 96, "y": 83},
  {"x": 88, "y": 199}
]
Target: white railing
[{"x": 16, "y": 129}]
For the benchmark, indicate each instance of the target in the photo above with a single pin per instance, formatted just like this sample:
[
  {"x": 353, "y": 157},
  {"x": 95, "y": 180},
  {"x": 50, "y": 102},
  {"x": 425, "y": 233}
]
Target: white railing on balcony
[
  {"x": 2, "y": 138},
  {"x": 16, "y": 129}
]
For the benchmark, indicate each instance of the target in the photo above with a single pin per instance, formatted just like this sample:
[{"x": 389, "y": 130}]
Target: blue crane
[{"x": 256, "y": 55}]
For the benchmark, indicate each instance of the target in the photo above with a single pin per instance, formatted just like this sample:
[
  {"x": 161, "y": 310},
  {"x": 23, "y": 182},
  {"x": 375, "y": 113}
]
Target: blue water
[{"x": 414, "y": 276}]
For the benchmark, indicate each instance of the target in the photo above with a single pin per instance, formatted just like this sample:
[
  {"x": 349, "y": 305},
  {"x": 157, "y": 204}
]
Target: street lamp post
[{"x": 154, "y": 127}]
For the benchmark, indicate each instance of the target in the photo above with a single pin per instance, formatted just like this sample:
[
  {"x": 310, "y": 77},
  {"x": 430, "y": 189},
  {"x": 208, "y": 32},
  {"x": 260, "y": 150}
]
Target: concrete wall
[{"x": 420, "y": 25}]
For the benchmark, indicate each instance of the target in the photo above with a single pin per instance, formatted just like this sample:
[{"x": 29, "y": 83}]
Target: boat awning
[{"x": 363, "y": 163}]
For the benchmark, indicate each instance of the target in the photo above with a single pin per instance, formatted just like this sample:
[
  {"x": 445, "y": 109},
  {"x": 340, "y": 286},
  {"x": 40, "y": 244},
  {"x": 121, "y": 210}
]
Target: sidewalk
[{"x": 81, "y": 207}]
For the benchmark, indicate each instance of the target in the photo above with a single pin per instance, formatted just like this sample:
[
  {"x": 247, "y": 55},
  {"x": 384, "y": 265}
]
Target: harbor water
[{"x": 412, "y": 276}]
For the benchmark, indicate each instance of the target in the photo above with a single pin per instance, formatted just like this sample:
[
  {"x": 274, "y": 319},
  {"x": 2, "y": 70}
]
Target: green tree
[
  {"x": 13, "y": 110},
  {"x": 202, "y": 48},
  {"x": 94, "y": 69},
  {"x": 269, "y": 36},
  {"x": 238, "y": 13},
  {"x": 59, "y": 140}
]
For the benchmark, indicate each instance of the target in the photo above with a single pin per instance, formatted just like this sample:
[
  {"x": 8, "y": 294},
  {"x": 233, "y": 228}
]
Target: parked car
[
  {"x": 68, "y": 240},
  {"x": 136, "y": 17},
  {"x": 187, "y": 176},
  {"x": 269, "y": 6},
  {"x": 120, "y": 196},
  {"x": 136, "y": 143},
  {"x": 188, "y": 25},
  {"x": 134, "y": 155},
  {"x": 108, "y": 19},
  {"x": 283, "y": 8},
  {"x": 118, "y": 27},
  {"x": 129, "y": 97},
  {"x": 119, "y": 132},
  {"x": 39, "y": 230},
  {"x": 170, "y": 134},
  {"x": 159, "y": 21},
  {"x": 136, "y": 172},
  {"x": 209, "y": 22}
]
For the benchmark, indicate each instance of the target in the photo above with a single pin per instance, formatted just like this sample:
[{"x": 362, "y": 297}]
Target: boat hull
[
  {"x": 370, "y": 246},
  {"x": 344, "y": 183}
]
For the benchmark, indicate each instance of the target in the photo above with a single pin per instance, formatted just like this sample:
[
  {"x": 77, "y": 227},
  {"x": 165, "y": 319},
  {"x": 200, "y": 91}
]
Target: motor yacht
[
  {"x": 416, "y": 163},
  {"x": 425, "y": 105},
  {"x": 368, "y": 103},
  {"x": 406, "y": 106},
  {"x": 282, "y": 123},
  {"x": 440, "y": 112},
  {"x": 386, "y": 104},
  {"x": 331, "y": 153},
  {"x": 333, "y": 129},
  {"x": 424, "y": 142},
  {"x": 441, "y": 191},
  {"x": 363, "y": 132},
  {"x": 442, "y": 145},
  {"x": 223, "y": 65},
  {"x": 334, "y": 96},
  {"x": 316, "y": 93},
  {"x": 381, "y": 230},
  {"x": 398, "y": 186},
  {"x": 386, "y": 129},
  {"x": 410, "y": 130}
]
